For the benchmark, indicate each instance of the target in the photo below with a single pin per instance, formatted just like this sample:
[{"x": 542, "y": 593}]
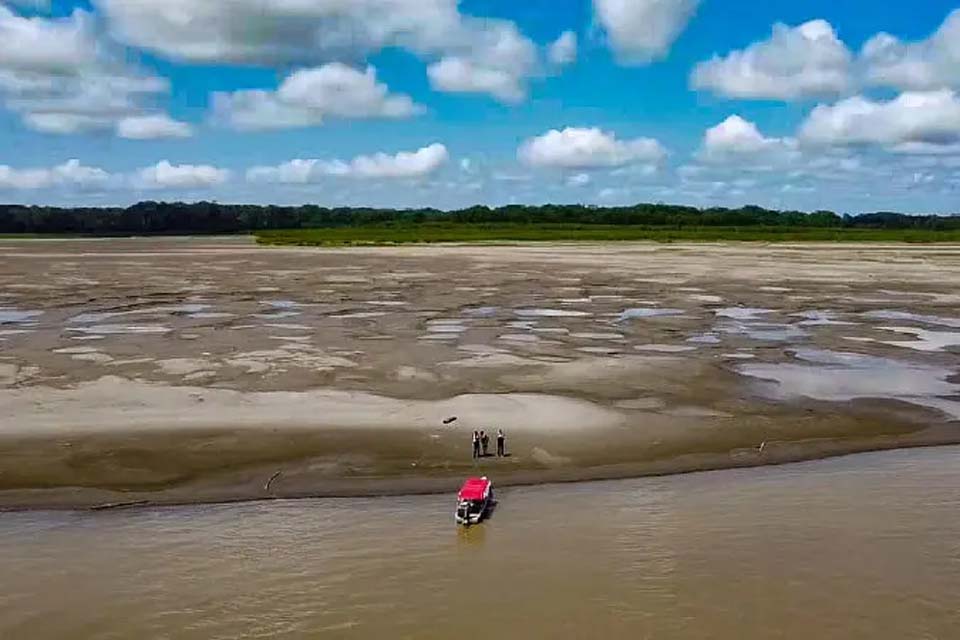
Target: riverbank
[{"x": 180, "y": 370}]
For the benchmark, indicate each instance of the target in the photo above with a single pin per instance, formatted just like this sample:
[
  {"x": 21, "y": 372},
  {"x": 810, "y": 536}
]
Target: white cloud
[
  {"x": 586, "y": 148},
  {"x": 933, "y": 63},
  {"x": 59, "y": 78},
  {"x": 151, "y": 127},
  {"x": 499, "y": 64},
  {"x": 738, "y": 137},
  {"x": 405, "y": 164},
  {"x": 579, "y": 180},
  {"x": 70, "y": 173},
  {"x": 164, "y": 175},
  {"x": 563, "y": 50},
  {"x": 796, "y": 62},
  {"x": 46, "y": 45},
  {"x": 926, "y": 118},
  {"x": 642, "y": 31},
  {"x": 460, "y": 75},
  {"x": 308, "y": 96},
  {"x": 485, "y": 50}
]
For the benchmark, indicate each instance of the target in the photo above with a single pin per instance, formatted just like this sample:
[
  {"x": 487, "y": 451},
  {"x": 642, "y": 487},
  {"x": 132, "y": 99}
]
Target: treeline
[{"x": 212, "y": 218}]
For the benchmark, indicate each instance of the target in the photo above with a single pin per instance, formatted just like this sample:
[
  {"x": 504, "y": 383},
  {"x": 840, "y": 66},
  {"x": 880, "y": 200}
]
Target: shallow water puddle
[
  {"x": 648, "y": 312},
  {"x": 912, "y": 317},
  {"x": 769, "y": 332},
  {"x": 837, "y": 376},
  {"x": 9, "y": 315},
  {"x": 551, "y": 313},
  {"x": 925, "y": 340},
  {"x": 742, "y": 313}
]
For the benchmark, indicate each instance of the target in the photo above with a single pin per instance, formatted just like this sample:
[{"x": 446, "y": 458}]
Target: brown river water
[{"x": 860, "y": 547}]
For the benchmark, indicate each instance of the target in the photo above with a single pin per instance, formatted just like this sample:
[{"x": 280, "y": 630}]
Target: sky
[{"x": 847, "y": 105}]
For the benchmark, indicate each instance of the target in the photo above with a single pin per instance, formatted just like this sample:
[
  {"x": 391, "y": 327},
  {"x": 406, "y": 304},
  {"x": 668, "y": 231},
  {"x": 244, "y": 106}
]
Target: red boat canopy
[{"x": 474, "y": 489}]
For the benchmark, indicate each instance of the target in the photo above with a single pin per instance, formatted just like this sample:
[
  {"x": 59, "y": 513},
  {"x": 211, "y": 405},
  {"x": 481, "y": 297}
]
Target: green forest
[{"x": 154, "y": 218}]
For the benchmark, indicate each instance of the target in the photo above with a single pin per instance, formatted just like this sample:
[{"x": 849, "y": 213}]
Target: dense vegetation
[
  {"x": 510, "y": 222},
  {"x": 454, "y": 232}
]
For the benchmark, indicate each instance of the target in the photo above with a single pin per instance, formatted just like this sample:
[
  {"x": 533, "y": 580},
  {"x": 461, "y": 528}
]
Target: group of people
[{"x": 481, "y": 443}]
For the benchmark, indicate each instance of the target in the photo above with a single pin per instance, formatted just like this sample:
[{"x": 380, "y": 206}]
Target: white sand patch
[
  {"x": 289, "y": 355},
  {"x": 211, "y": 315},
  {"x": 185, "y": 366},
  {"x": 494, "y": 359},
  {"x": 76, "y": 350},
  {"x": 94, "y": 356},
  {"x": 739, "y": 356},
  {"x": 705, "y": 338},
  {"x": 13, "y": 374},
  {"x": 709, "y": 299},
  {"x": 113, "y": 404},
  {"x": 288, "y": 327},
  {"x": 387, "y": 303},
  {"x": 586, "y": 335},
  {"x": 518, "y": 337},
  {"x": 14, "y": 332},
  {"x": 665, "y": 348},
  {"x": 120, "y": 329}
]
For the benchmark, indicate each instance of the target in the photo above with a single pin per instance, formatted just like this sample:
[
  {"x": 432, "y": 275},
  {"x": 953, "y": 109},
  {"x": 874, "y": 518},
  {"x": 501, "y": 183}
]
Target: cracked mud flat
[{"x": 182, "y": 370}]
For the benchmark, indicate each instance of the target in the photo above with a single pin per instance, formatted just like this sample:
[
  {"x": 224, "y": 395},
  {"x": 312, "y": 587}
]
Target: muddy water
[{"x": 860, "y": 547}]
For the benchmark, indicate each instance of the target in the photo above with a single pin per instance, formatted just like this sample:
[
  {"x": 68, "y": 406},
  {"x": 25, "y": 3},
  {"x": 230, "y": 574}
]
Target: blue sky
[{"x": 852, "y": 105}]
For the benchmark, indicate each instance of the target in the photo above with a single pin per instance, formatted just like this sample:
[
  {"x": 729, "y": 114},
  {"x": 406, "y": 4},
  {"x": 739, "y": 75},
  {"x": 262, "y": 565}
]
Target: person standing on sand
[
  {"x": 476, "y": 445},
  {"x": 484, "y": 442},
  {"x": 501, "y": 443}
]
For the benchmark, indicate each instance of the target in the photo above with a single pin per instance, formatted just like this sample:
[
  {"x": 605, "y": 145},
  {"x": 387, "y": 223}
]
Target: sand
[{"x": 180, "y": 370}]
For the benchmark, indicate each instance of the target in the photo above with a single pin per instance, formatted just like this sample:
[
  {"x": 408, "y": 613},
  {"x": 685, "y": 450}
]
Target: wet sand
[
  {"x": 184, "y": 370},
  {"x": 857, "y": 548}
]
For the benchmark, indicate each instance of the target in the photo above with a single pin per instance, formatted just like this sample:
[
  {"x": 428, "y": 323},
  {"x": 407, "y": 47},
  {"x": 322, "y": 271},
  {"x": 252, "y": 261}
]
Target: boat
[{"x": 474, "y": 500}]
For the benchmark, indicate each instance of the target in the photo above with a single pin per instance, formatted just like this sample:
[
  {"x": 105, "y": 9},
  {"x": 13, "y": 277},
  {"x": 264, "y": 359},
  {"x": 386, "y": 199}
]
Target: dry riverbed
[{"x": 180, "y": 370}]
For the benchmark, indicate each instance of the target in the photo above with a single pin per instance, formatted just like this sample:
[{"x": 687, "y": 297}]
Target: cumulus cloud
[
  {"x": 588, "y": 148},
  {"x": 795, "y": 62},
  {"x": 60, "y": 79},
  {"x": 738, "y": 137},
  {"x": 473, "y": 53},
  {"x": 405, "y": 164},
  {"x": 563, "y": 50},
  {"x": 933, "y": 63},
  {"x": 308, "y": 96},
  {"x": 931, "y": 119},
  {"x": 499, "y": 66},
  {"x": 164, "y": 175},
  {"x": 70, "y": 173},
  {"x": 642, "y": 31},
  {"x": 152, "y": 127}
]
